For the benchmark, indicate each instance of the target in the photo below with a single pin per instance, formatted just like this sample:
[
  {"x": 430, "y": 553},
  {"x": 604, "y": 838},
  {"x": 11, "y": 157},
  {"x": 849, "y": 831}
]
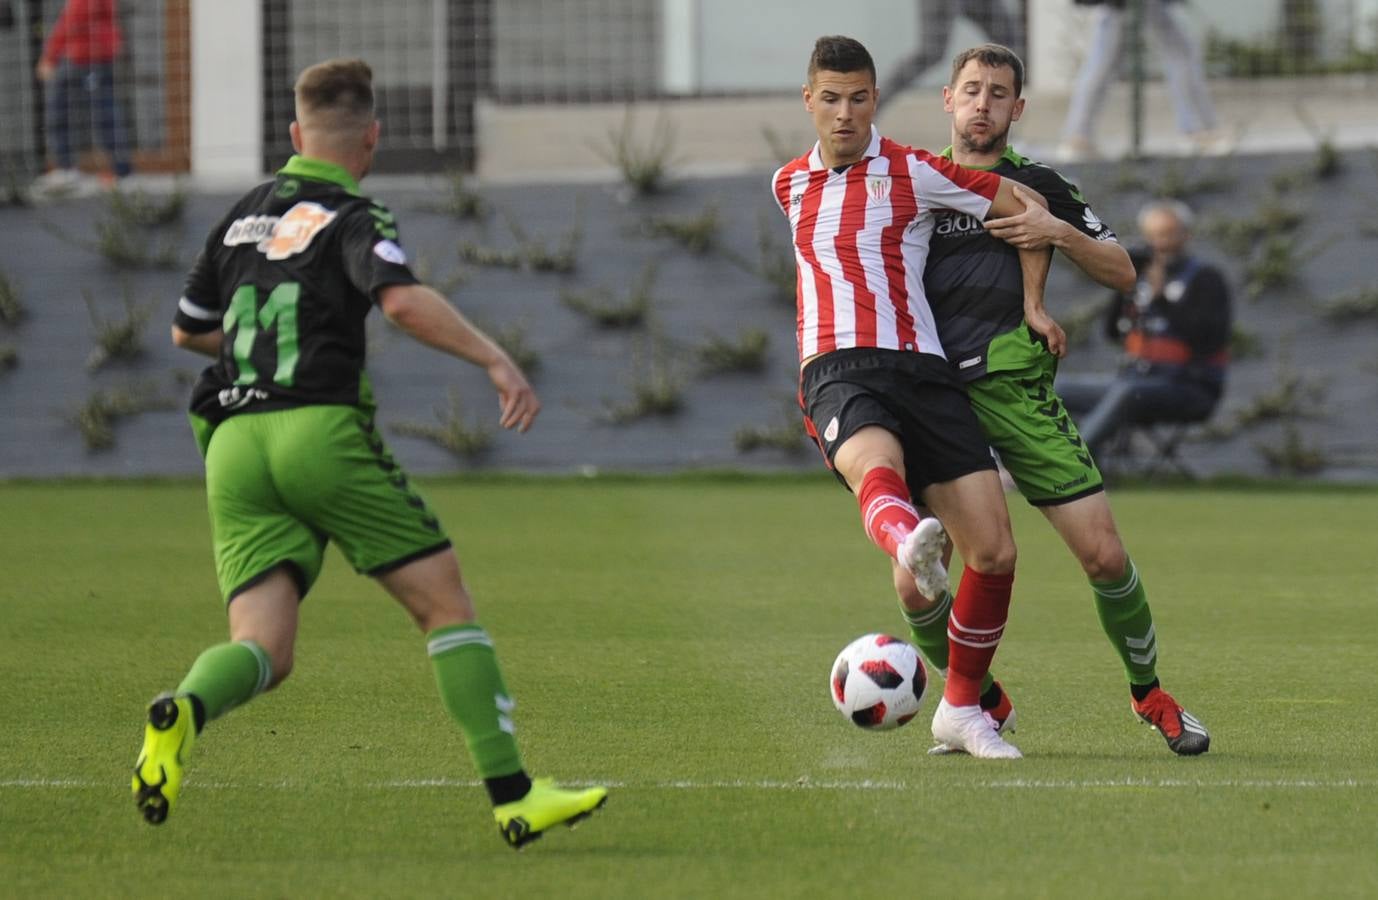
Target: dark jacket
[{"x": 1183, "y": 330}]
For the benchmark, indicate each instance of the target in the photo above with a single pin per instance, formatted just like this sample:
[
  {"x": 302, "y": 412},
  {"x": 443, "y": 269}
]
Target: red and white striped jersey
[{"x": 861, "y": 241}]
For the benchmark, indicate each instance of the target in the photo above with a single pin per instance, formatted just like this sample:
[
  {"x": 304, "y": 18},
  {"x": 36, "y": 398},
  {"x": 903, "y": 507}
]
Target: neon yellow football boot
[
  {"x": 168, "y": 738},
  {"x": 524, "y": 820}
]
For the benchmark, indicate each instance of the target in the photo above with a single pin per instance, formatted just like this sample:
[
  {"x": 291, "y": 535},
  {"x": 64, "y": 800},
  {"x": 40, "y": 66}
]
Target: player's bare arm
[
  {"x": 1106, "y": 262},
  {"x": 207, "y": 344},
  {"x": 1011, "y": 200},
  {"x": 427, "y": 316}
]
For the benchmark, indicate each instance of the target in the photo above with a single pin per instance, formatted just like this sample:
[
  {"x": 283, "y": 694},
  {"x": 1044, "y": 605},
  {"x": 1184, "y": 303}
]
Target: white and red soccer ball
[{"x": 878, "y": 682}]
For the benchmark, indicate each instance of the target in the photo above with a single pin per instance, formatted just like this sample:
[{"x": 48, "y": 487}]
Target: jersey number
[{"x": 245, "y": 317}]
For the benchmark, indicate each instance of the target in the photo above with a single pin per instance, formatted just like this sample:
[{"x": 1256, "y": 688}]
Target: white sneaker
[
  {"x": 1000, "y": 726},
  {"x": 57, "y": 181},
  {"x": 968, "y": 729},
  {"x": 921, "y": 554}
]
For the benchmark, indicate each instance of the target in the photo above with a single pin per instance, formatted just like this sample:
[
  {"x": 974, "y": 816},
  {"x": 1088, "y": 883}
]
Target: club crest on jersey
[
  {"x": 878, "y": 188},
  {"x": 295, "y": 230}
]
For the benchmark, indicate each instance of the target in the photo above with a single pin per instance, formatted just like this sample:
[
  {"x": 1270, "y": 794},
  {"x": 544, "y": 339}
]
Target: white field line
[{"x": 1004, "y": 784}]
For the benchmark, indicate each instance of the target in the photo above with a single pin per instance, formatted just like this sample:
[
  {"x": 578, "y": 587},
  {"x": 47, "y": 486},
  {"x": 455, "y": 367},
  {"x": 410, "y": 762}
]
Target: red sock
[
  {"x": 974, "y": 628},
  {"x": 886, "y": 511}
]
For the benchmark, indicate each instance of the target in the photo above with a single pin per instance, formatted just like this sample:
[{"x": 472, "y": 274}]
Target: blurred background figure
[
  {"x": 1175, "y": 329},
  {"x": 936, "y": 18},
  {"x": 78, "y": 67},
  {"x": 1182, "y": 68}
]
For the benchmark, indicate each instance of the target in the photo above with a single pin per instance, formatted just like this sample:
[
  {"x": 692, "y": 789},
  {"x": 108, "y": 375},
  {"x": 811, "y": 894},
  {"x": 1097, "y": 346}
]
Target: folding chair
[{"x": 1148, "y": 448}]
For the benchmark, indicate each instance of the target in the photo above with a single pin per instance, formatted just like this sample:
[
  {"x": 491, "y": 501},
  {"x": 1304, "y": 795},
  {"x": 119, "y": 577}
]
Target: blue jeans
[
  {"x": 94, "y": 86},
  {"x": 1109, "y": 402}
]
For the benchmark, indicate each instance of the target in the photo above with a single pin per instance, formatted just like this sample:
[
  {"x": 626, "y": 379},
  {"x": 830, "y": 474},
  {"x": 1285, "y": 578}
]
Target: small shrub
[
  {"x": 1172, "y": 181},
  {"x": 1361, "y": 303},
  {"x": 461, "y": 202},
  {"x": 12, "y": 310},
  {"x": 539, "y": 257},
  {"x": 462, "y": 439},
  {"x": 9, "y": 357},
  {"x": 1277, "y": 264},
  {"x": 785, "y": 434},
  {"x": 118, "y": 338},
  {"x": 697, "y": 234},
  {"x": 512, "y": 339},
  {"x": 127, "y": 248},
  {"x": 774, "y": 264},
  {"x": 657, "y": 390},
  {"x": 1293, "y": 397},
  {"x": 644, "y": 166},
  {"x": 745, "y": 354},
  {"x": 1293, "y": 456},
  {"x": 97, "y": 417},
  {"x": 489, "y": 257},
  {"x": 607, "y": 311},
  {"x": 424, "y": 270},
  {"x": 1271, "y": 217},
  {"x": 143, "y": 210}
]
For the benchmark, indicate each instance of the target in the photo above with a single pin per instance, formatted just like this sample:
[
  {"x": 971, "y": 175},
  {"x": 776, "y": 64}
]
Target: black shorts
[{"x": 912, "y": 395}]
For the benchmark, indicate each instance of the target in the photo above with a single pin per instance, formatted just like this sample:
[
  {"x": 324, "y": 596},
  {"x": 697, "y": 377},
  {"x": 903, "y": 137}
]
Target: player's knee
[
  {"x": 994, "y": 558},
  {"x": 1106, "y": 561}
]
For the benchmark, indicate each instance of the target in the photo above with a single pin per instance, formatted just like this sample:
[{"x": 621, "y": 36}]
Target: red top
[
  {"x": 86, "y": 33},
  {"x": 861, "y": 243}
]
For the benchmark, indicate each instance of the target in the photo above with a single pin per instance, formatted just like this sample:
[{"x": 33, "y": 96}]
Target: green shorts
[
  {"x": 1025, "y": 422},
  {"x": 281, "y": 484}
]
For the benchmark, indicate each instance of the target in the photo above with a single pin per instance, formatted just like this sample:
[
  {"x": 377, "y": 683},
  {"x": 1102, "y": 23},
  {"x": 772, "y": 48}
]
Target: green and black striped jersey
[
  {"x": 290, "y": 274},
  {"x": 973, "y": 280}
]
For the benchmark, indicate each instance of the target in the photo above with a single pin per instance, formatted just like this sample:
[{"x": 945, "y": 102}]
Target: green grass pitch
[{"x": 672, "y": 638}]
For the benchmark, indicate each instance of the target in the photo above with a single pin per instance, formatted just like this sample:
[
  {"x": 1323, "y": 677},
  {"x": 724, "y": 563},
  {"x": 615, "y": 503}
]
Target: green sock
[
  {"x": 227, "y": 675},
  {"x": 929, "y": 631},
  {"x": 1124, "y": 614},
  {"x": 466, "y": 669}
]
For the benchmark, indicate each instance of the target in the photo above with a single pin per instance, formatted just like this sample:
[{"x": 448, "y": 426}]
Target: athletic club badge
[{"x": 878, "y": 188}]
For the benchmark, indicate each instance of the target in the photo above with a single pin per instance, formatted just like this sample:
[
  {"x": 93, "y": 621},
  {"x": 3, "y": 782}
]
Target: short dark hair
[
  {"x": 993, "y": 55},
  {"x": 835, "y": 53},
  {"x": 338, "y": 90}
]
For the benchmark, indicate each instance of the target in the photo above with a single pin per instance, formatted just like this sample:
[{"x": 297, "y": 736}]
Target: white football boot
[
  {"x": 921, "y": 554},
  {"x": 968, "y": 729}
]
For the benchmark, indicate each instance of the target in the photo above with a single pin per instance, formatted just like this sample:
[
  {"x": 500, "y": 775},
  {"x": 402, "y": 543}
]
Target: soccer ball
[{"x": 878, "y": 682}]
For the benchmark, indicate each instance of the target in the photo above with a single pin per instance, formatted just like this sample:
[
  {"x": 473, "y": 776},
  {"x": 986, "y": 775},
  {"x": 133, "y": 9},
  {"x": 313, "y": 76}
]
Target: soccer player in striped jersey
[
  {"x": 294, "y": 460},
  {"x": 878, "y": 395},
  {"x": 974, "y": 284}
]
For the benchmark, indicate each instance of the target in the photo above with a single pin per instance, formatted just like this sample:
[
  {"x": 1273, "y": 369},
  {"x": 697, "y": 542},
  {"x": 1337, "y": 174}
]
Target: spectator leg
[{"x": 1097, "y": 71}]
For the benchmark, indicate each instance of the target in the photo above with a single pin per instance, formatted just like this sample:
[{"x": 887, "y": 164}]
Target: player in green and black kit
[
  {"x": 1005, "y": 350},
  {"x": 284, "y": 419}
]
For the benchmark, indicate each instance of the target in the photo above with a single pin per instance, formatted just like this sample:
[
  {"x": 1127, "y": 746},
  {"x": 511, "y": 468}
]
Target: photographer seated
[{"x": 1175, "y": 329}]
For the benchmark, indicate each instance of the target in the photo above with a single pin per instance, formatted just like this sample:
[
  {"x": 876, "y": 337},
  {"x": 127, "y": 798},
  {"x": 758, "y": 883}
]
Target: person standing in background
[
  {"x": 1182, "y": 68},
  {"x": 936, "y": 18},
  {"x": 78, "y": 59}
]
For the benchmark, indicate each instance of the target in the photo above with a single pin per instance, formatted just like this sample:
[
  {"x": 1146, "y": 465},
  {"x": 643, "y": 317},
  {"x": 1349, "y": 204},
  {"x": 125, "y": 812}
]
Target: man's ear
[
  {"x": 947, "y": 99},
  {"x": 1018, "y": 110},
  {"x": 808, "y": 98},
  {"x": 295, "y": 131},
  {"x": 371, "y": 136}
]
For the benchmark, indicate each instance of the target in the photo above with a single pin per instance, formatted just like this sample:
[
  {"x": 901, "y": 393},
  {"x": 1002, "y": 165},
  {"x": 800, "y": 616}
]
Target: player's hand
[
  {"x": 1040, "y": 322},
  {"x": 44, "y": 70},
  {"x": 516, "y": 398},
  {"x": 1033, "y": 229}
]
